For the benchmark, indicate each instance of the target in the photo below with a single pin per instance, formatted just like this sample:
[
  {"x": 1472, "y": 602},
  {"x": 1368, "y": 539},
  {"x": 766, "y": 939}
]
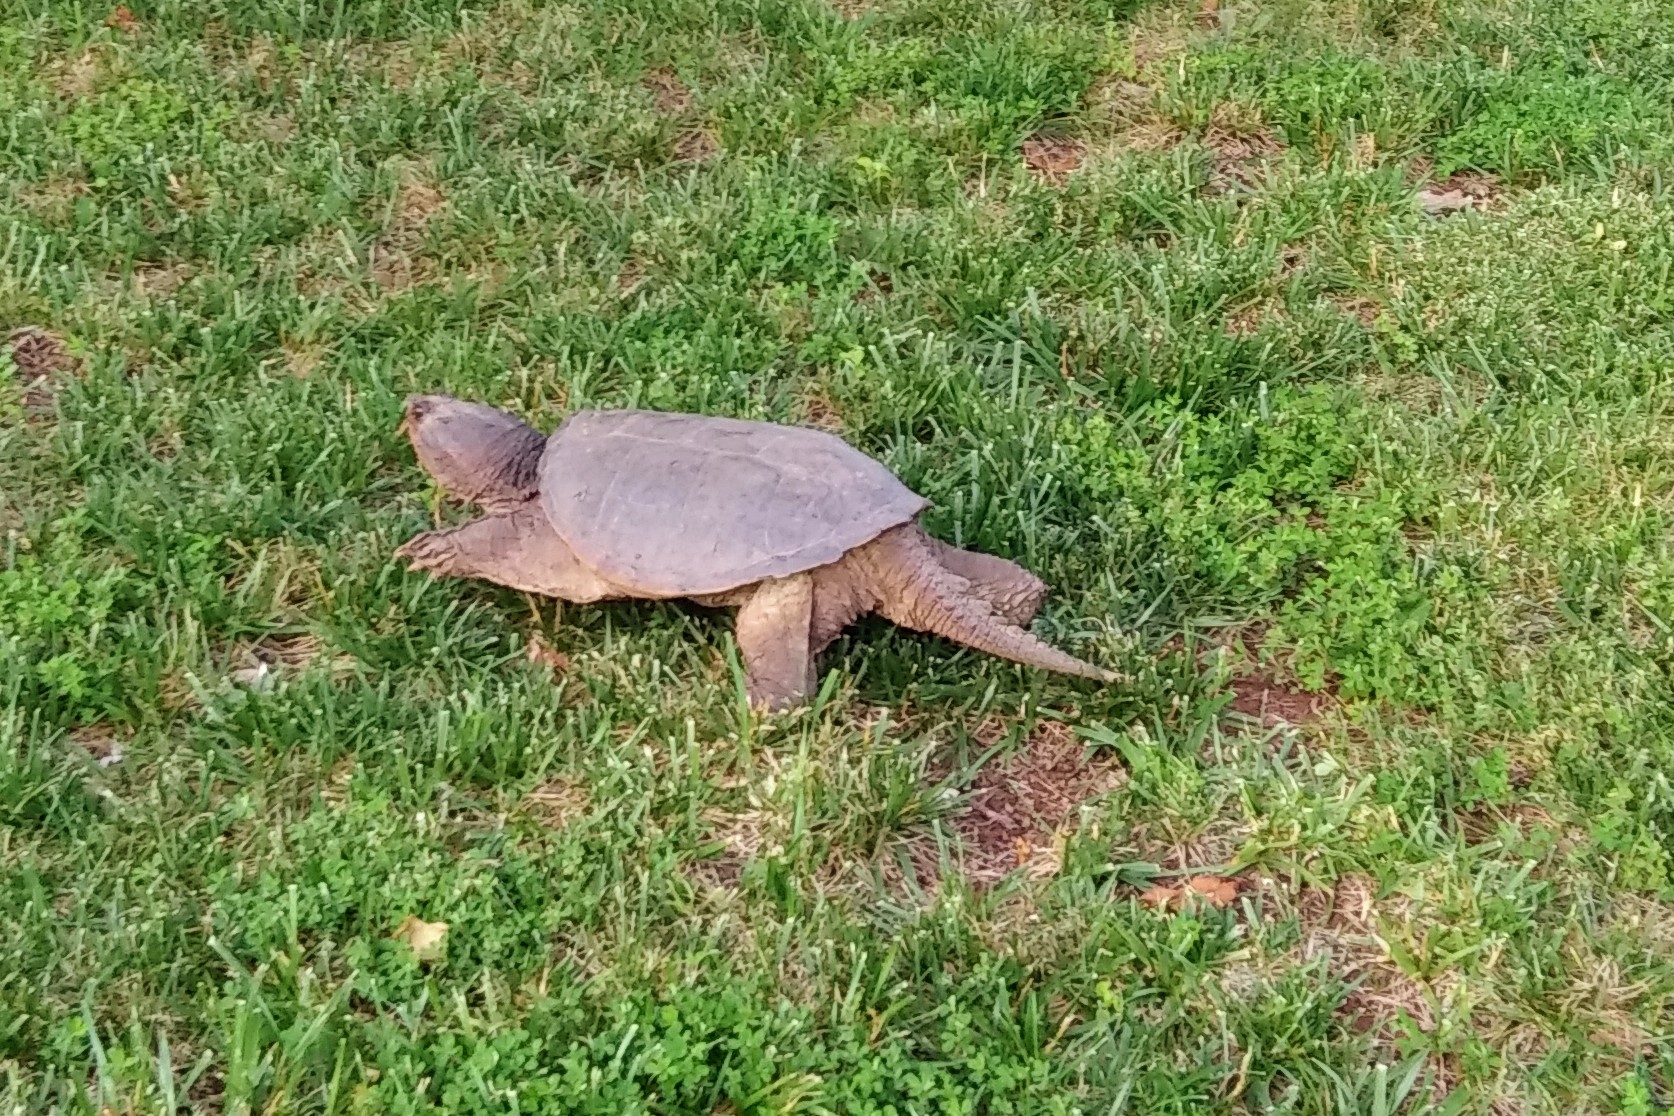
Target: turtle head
[{"x": 473, "y": 452}]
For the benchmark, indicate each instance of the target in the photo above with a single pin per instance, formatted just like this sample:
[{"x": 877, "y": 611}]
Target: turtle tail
[{"x": 916, "y": 591}]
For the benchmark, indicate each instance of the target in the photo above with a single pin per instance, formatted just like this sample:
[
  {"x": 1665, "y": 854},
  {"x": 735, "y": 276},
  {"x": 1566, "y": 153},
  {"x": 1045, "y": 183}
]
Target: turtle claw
[{"x": 432, "y": 551}]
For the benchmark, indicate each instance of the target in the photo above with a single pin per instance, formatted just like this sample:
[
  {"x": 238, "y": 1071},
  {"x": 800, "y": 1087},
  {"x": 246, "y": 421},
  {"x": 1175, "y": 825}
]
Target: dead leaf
[
  {"x": 425, "y": 939},
  {"x": 546, "y": 655},
  {"x": 123, "y": 20},
  {"x": 1218, "y": 890},
  {"x": 1439, "y": 202},
  {"x": 1209, "y": 13},
  {"x": 1159, "y": 897}
]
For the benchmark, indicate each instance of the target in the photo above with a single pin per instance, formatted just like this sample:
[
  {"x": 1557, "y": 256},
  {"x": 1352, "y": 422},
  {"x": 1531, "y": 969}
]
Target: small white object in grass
[
  {"x": 259, "y": 677},
  {"x": 112, "y": 756}
]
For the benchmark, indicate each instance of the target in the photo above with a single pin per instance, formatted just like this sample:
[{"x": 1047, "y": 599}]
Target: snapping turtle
[{"x": 799, "y": 531}]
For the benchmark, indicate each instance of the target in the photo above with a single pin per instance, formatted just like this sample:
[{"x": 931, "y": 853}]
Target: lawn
[{"x": 1319, "y": 354}]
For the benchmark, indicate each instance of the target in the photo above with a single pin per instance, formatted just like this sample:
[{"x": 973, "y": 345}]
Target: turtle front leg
[
  {"x": 773, "y": 631},
  {"x": 517, "y": 549}
]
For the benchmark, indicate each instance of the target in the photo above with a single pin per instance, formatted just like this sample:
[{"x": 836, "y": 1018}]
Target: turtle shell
[{"x": 678, "y": 505}]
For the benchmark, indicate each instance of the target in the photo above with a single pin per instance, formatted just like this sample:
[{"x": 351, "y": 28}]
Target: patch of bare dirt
[
  {"x": 79, "y": 77},
  {"x": 668, "y": 93},
  {"x": 1159, "y": 38},
  {"x": 38, "y": 352},
  {"x": 1053, "y": 158},
  {"x": 629, "y": 276},
  {"x": 276, "y": 128},
  {"x": 1150, "y": 135},
  {"x": 417, "y": 202},
  {"x": 557, "y": 802},
  {"x": 53, "y": 199},
  {"x": 160, "y": 280},
  {"x": 878, "y": 283},
  {"x": 396, "y": 269},
  {"x": 1020, "y": 812},
  {"x": 263, "y": 664},
  {"x": 301, "y": 357},
  {"x": 1464, "y": 190},
  {"x": 101, "y": 744},
  {"x": 1272, "y": 701},
  {"x": 695, "y": 146},
  {"x": 1195, "y": 850},
  {"x": 1120, "y": 99},
  {"x": 1247, "y": 320},
  {"x": 123, "y": 20},
  {"x": 41, "y": 358},
  {"x": 1264, "y": 693},
  {"x": 395, "y": 259}
]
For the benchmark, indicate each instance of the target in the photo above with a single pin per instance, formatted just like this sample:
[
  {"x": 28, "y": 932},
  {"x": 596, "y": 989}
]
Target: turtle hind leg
[
  {"x": 517, "y": 549},
  {"x": 774, "y": 631},
  {"x": 1011, "y": 591},
  {"x": 916, "y": 591}
]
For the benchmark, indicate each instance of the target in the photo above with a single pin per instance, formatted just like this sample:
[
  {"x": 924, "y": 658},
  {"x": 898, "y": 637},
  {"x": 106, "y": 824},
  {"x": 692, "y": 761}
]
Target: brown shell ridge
[{"x": 677, "y": 504}]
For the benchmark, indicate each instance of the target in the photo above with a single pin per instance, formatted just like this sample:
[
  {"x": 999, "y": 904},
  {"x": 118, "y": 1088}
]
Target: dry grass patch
[
  {"x": 40, "y": 358},
  {"x": 1341, "y": 926},
  {"x": 1239, "y": 146},
  {"x": 668, "y": 93},
  {"x": 696, "y": 145},
  {"x": 741, "y": 836},
  {"x": 557, "y": 802}
]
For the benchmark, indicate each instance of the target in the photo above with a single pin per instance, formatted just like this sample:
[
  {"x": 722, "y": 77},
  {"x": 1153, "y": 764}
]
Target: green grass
[{"x": 1262, "y": 424}]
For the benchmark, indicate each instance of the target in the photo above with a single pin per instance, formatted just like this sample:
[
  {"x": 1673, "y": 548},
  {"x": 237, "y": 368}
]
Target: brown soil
[
  {"x": 1020, "y": 811},
  {"x": 1271, "y": 701},
  {"x": 1053, "y": 158}
]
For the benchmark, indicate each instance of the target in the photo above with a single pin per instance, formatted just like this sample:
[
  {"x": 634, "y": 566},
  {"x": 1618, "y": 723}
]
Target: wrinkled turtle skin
[{"x": 798, "y": 530}]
